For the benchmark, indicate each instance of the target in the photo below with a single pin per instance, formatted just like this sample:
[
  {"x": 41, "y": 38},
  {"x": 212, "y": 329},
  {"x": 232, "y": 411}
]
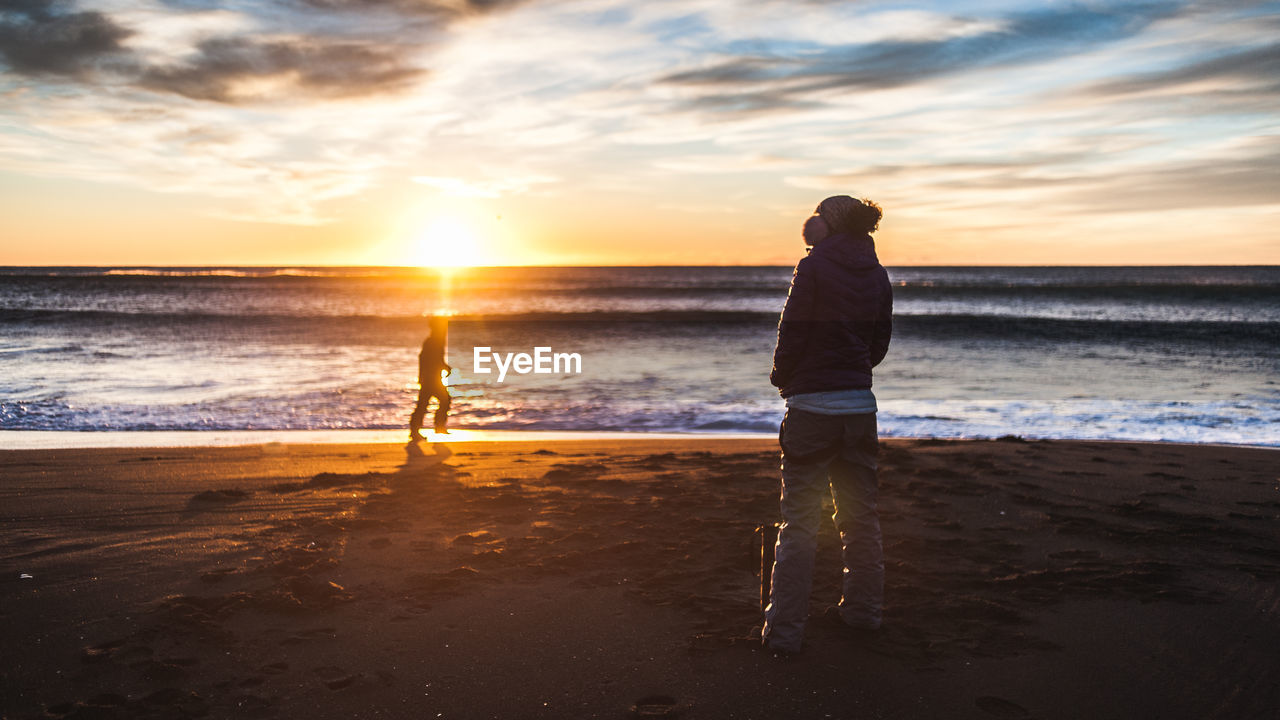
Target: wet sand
[{"x": 617, "y": 578}]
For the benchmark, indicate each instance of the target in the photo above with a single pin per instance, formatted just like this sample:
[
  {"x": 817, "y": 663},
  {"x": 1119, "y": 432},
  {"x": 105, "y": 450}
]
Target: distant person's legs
[
  {"x": 854, "y": 488},
  {"x": 425, "y": 394},
  {"x": 441, "y": 418},
  {"x": 809, "y": 443},
  {"x": 442, "y": 408}
]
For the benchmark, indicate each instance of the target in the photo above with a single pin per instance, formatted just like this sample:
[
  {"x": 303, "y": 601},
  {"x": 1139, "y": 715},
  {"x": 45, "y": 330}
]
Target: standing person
[
  {"x": 835, "y": 327},
  {"x": 430, "y": 364}
]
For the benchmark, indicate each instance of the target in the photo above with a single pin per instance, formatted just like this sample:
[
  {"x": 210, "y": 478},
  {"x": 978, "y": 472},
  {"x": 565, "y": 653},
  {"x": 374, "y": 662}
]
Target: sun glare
[{"x": 447, "y": 243}]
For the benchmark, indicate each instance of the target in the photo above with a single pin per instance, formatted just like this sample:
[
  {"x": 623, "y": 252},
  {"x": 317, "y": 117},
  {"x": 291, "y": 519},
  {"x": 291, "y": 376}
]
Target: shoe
[
  {"x": 441, "y": 431},
  {"x": 415, "y": 435},
  {"x": 832, "y": 619},
  {"x": 779, "y": 653}
]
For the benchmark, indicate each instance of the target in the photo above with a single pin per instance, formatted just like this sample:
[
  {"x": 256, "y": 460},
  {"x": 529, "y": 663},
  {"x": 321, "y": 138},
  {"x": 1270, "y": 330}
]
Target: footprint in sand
[
  {"x": 335, "y": 678},
  {"x": 309, "y": 635},
  {"x": 252, "y": 704},
  {"x": 1001, "y": 708},
  {"x": 654, "y": 706},
  {"x": 213, "y": 498},
  {"x": 560, "y": 471},
  {"x": 101, "y": 651}
]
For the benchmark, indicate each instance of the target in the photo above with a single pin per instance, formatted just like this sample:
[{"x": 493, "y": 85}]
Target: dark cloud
[
  {"x": 318, "y": 48},
  {"x": 1023, "y": 38},
  {"x": 747, "y": 103},
  {"x": 323, "y": 68},
  {"x": 40, "y": 38},
  {"x": 437, "y": 8}
]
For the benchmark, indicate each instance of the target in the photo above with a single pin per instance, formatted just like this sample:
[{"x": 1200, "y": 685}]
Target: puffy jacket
[{"x": 837, "y": 321}]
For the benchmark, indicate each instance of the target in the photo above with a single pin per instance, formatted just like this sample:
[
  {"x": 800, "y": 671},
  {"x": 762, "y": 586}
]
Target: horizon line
[{"x": 632, "y": 265}]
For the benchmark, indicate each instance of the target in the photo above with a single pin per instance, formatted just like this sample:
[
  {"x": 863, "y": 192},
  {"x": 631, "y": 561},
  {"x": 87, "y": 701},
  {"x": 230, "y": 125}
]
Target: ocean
[{"x": 1185, "y": 354}]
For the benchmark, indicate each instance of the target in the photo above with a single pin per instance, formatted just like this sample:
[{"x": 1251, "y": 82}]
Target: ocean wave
[
  {"x": 935, "y": 326},
  {"x": 1132, "y": 423},
  {"x": 1186, "y": 354},
  {"x": 283, "y": 272},
  {"x": 213, "y": 272},
  {"x": 727, "y": 278},
  {"x": 20, "y": 315}
]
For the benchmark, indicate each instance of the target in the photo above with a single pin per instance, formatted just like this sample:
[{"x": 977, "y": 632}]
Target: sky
[{"x": 635, "y": 132}]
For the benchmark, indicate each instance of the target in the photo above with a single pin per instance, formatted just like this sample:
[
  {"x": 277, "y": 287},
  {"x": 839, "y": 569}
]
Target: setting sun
[{"x": 447, "y": 242}]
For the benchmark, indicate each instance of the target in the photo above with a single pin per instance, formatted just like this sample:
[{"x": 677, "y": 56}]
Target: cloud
[
  {"x": 232, "y": 70},
  {"x": 458, "y": 187},
  {"x": 1252, "y": 67},
  {"x": 273, "y": 111},
  {"x": 434, "y": 8},
  {"x": 951, "y": 174},
  {"x": 37, "y": 38},
  {"x": 722, "y": 164},
  {"x": 1242, "y": 176},
  {"x": 318, "y": 49},
  {"x": 804, "y": 72},
  {"x": 1248, "y": 180},
  {"x": 262, "y": 140}
]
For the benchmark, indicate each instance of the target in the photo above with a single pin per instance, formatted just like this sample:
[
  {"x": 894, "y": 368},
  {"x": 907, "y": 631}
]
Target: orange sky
[{"x": 620, "y": 132}]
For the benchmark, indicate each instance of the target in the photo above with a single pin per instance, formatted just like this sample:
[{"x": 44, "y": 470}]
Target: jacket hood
[{"x": 851, "y": 251}]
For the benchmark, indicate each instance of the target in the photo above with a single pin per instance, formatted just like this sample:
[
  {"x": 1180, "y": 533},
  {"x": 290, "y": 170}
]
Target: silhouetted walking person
[
  {"x": 430, "y": 364},
  {"x": 835, "y": 327}
]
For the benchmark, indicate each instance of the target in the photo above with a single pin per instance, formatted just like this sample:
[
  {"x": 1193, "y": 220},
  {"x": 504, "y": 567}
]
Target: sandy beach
[{"x": 616, "y": 578}]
